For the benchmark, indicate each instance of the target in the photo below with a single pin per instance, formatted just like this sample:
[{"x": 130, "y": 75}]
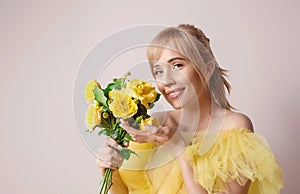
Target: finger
[
  {"x": 103, "y": 165},
  {"x": 161, "y": 139},
  {"x": 110, "y": 141},
  {"x": 126, "y": 144},
  {"x": 166, "y": 132},
  {"x": 151, "y": 128},
  {"x": 125, "y": 125},
  {"x": 100, "y": 168},
  {"x": 133, "y": 131},
  {"x": 110, "y": 159},
  {"x": 137, "y": 135},
  {"x": 163, "y": 131},
  {"x": 114, "y": 160},
  {"x": 142, "y": 139},
  {"x": 108, "y": 151}
]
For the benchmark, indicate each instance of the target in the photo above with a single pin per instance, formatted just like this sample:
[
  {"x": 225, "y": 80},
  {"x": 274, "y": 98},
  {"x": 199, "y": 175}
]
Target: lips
[{"x": 174, "y": 93}]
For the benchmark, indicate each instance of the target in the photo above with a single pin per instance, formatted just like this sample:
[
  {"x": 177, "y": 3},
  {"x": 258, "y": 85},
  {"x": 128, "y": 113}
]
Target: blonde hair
[{"x": 192, "y": 43}]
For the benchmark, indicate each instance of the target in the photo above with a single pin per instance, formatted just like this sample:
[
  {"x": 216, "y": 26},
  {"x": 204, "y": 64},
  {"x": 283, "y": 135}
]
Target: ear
[{"x": 211, "y": 65}]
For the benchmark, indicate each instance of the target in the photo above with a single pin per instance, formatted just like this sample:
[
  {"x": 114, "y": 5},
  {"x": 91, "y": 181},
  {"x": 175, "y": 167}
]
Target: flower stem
[{"x": 106, "y": 182}]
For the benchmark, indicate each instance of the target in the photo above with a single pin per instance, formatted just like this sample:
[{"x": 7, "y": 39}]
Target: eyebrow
[
  {"x": 170, "y": 60},
  {"x": 175, "y": 58}
]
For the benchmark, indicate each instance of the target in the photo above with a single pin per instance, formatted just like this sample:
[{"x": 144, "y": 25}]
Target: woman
[{"x": 201, "y": 146}]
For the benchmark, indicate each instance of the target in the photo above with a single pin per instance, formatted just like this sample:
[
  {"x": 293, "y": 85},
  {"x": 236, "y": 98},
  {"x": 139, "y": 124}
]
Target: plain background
[{"x": 43, "y": 44}]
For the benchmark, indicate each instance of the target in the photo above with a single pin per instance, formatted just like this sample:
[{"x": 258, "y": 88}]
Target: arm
[
  {"x": 118, "y": 186},
  {"x": 188, "y": 177},
  {"x": 177, "y": 146},
  {"x": 235, "y": 188},
  {"x": 235, "y": 119}
]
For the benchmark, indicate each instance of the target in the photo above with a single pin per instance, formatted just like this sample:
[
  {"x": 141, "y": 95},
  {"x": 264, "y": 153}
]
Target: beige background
[{"x": 43, "y": 44}]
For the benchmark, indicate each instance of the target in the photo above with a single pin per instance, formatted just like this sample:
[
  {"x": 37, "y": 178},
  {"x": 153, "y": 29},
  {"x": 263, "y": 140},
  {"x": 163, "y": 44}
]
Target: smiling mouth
[{"x": 173, "y": 94}]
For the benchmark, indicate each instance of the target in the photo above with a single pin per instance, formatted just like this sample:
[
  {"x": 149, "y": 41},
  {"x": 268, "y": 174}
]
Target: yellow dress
[{"x": 235, "y": 155}]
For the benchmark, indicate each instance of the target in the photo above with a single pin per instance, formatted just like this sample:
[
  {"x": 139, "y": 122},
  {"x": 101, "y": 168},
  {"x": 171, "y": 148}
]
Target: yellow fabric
[
  {"x": 137, "y": 180},
  {"x": 237, "y": 155},
  {"x": 153, "y": 180}
]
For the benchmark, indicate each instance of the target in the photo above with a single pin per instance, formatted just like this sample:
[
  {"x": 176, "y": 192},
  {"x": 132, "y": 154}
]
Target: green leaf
[
  {"x": 114, "y": 135},
  {"x": 105, "y": 123},
  {"x": 118, "y": 83},
  {"x": 157, "y": 97},
  {"x": 104, "y": 108},
  {"x": 103, "y": 131},
  {"x": 128, "y": 137},
  {"x": 100, "y": 97},
  {"x": 109, "y": 88},
  {"x": 125, "y": 153},
  {"x": 125, "y": 141},
  {"x": 139, "y": 119}
]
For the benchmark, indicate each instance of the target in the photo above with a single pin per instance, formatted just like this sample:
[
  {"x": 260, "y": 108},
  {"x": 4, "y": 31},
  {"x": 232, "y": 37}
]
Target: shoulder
[{"x": 237, "y": 119}]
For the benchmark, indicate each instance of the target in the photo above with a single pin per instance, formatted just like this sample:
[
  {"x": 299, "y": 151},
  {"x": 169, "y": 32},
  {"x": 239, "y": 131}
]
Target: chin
[
  {"x": 176, "y": 104},
  {"x": 176, "y": 107},
  {"x": 184, "y": 103}
]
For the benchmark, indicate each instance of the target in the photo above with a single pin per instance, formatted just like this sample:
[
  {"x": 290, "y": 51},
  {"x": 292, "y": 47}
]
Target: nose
[{"x": 167, "y": 79}]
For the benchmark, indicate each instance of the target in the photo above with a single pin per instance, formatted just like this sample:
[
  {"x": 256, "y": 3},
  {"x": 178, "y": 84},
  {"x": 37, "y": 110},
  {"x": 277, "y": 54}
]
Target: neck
[{"x": 199, "y": 111}]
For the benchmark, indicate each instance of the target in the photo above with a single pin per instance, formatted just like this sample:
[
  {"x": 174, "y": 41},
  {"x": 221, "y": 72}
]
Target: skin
[{"x": 177, "y": 80}]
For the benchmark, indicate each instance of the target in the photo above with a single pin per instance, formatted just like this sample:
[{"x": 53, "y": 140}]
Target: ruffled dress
[{"x": 235, "y": 155}]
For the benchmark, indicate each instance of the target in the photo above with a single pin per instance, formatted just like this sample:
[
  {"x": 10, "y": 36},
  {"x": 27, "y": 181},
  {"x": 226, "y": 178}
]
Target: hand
[
  {"x": 152, "y": 134},
  {"x": 108, "y": 157}
]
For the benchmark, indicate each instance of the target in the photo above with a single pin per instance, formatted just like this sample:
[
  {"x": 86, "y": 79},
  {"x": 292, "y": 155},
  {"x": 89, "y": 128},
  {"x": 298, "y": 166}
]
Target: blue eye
[
  {"x": 177, "y": 66},
  {"x": 158, "y": 72}
]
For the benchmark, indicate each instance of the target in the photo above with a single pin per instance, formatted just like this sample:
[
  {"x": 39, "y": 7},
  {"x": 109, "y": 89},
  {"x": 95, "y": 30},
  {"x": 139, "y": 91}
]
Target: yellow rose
[
  {"x": 93, "y": 116},
  {"x": 143, "y": 91},
  {"x": 89, "y": 90},
  {"x": 122, "y": 105}
]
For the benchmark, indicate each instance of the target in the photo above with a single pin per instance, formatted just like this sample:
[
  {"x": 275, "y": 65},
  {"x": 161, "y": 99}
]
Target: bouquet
[{"x": 122, "y": 98}]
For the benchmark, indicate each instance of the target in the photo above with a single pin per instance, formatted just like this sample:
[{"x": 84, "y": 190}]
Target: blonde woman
[{"x": 202, "y": 146}]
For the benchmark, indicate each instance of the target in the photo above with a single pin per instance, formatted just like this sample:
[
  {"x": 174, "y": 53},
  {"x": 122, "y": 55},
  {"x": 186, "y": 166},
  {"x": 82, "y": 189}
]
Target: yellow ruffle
[{"x": 237, "y": 155}]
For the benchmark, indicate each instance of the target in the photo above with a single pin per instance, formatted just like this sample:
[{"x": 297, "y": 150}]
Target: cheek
[
  {"x": 160, "y": 87},
  {"x": 194, "y": 79}
]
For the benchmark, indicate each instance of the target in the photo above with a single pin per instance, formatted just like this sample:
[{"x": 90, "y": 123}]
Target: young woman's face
[{"x": 177, "y": 79}]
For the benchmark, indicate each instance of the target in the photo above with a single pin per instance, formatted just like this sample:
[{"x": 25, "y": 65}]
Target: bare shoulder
[{"x": 237, "y": 119}]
